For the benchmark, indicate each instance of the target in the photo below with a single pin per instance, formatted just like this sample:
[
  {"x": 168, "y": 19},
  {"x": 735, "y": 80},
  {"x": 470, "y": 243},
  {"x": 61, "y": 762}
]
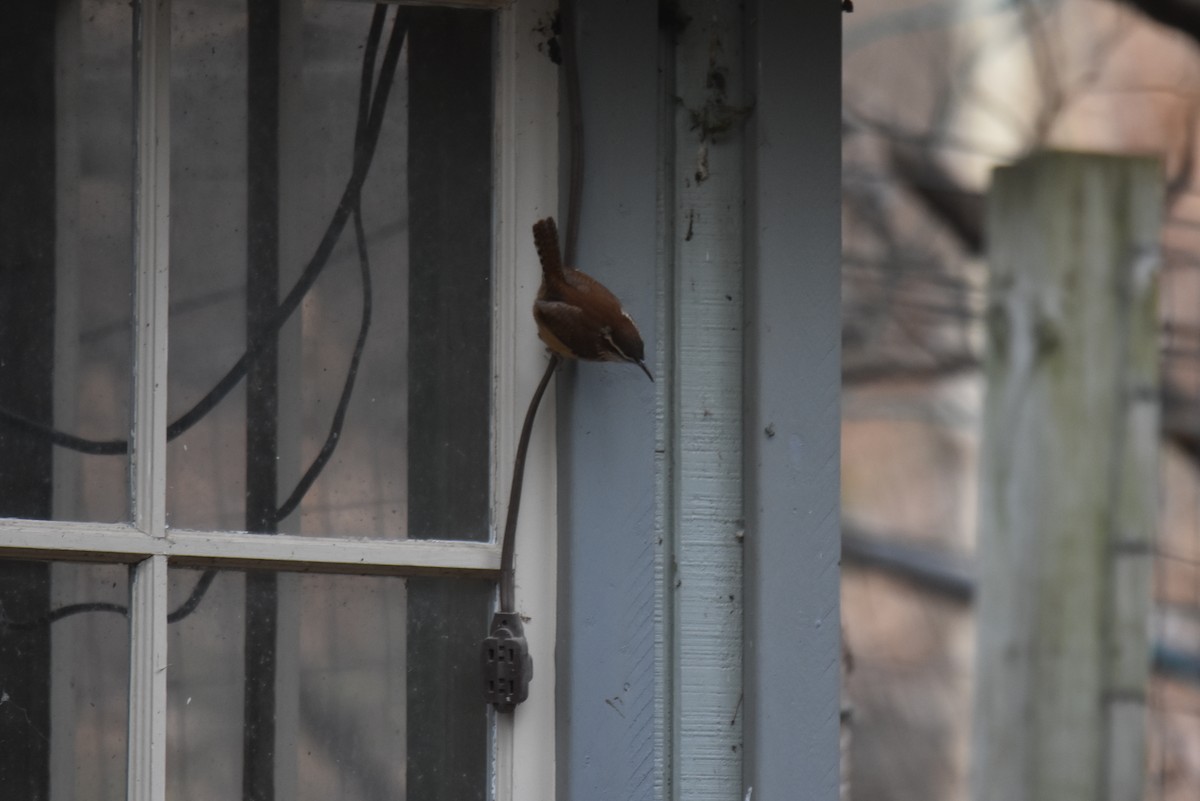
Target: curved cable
[
  {"x": 369, "y": 123},
  {"x": 53, "y": 616},
  {"x": 570, "y": 63},
  {"x": 339, "y": 415},
  {"x": 335, "y": 429},
  {"x": 508, "y": 546},
  {"x": 365, "y": 148}
]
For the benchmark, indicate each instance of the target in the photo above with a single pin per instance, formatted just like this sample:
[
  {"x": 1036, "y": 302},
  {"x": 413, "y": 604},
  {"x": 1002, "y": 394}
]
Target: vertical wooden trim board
[
  {"x": 704, "y": 579},
  {"x": 1068, "y": 493},
  {"x": 792, "y": 403}
]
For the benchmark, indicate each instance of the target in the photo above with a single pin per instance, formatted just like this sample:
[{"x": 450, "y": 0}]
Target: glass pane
[
  {"x": 64, "y": 680},
  {"x": 334, "y": 426},
  {"x": 66, "y": 145},
  {"x": 298, "y": 686}
]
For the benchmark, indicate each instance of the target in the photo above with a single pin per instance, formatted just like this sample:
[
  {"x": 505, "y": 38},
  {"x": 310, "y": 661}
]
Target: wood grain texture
[
  {"x": 706, "y": 449},
  {"x": 1068, "y": 492}
]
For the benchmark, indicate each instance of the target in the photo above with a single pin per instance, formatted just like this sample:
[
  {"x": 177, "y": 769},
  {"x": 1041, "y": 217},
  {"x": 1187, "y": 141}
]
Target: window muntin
[{"x": 525, "y": 141}]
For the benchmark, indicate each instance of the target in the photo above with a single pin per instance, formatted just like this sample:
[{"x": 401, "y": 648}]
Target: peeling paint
[{"x": 702, "y": 163}]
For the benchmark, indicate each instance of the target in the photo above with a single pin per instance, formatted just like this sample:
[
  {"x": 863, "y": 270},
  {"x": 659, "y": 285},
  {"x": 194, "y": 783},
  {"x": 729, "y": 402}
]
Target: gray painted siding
[
  {"x": 615, "y": 710},
  {"x": 704, "y": 589},
  {"x": 792, "y": 426},
  {"x": 607, "y": 590}
]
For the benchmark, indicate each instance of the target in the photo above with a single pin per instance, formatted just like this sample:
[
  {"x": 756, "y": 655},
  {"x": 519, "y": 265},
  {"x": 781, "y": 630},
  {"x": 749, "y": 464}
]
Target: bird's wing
[{"x": 565, "y": 329}]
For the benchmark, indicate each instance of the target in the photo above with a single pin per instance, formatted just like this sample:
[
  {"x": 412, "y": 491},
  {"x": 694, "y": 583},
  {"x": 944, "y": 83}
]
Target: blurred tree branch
[{"x": 1182, "y": 15}]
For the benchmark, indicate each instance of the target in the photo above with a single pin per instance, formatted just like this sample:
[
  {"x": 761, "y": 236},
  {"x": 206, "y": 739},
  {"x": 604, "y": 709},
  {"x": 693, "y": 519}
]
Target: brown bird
[{"x": 577, "y": 317}]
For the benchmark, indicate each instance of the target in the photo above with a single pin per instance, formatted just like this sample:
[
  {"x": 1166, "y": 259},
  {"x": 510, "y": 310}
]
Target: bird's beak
[{"x": 645, "y": 369}]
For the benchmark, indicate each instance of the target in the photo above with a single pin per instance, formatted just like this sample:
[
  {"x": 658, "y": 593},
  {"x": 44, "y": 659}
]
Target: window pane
[
  {"x": 298, "y": 686},
  {"x": 66, "y": 145},
  {"x": 265, "y": 108},
  {"x": 64, "y": 680}
]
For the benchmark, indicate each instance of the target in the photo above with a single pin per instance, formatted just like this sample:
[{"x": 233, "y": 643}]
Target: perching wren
[{"x": 577, "y": 317}]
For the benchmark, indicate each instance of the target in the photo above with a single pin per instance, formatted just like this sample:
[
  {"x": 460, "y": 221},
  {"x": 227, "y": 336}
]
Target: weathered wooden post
[{"x": 1068, "y": 497}]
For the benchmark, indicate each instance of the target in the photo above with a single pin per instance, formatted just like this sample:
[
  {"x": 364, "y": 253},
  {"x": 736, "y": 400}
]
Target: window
[{"x": 264, "y": 351}]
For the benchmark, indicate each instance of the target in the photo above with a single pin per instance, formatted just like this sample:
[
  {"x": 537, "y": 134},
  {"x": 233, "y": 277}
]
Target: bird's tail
[{"x": 545, "y": 239}]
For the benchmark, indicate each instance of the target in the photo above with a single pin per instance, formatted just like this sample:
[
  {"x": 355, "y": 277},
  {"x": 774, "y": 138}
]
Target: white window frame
[{"x": 526, "y": 188}]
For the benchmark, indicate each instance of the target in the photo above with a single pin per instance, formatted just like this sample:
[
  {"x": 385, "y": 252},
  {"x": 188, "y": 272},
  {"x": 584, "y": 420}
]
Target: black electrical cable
[
  {"x": 364, "y": 153},
  {"x": 183, "y": 610},
  {"x": 62, "y": 439},
  {"x": 508, "y": 545},
  {"x": 194, "y": 597},
  {"x": 369, "y": 123},
  {"x": 339, "y": 416},
  {"x": 58, "y": 614},
  {"x": 570, "y": 64}
]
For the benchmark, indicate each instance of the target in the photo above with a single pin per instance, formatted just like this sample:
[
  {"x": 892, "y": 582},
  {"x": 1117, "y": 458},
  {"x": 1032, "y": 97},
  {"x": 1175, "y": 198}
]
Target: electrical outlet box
[{"x": 507, "y": 666}]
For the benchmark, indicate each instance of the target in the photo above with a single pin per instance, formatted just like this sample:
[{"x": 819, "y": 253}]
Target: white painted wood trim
[
  {"x": 152, "y": 195},
  {"x": 527, "y": 189},
  {"x": 334, "y": 555},
  {"x": 126, "y": 544},
  {"x": 484, "y": 4},
  {"x": 147, "y": 742},
  {"x": 90, "y": 542},
  {"x": 147, "y": 773}
]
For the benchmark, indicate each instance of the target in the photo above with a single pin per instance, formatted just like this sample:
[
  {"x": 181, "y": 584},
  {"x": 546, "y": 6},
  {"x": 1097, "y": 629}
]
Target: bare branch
[{"x": 1182, "y": 15}]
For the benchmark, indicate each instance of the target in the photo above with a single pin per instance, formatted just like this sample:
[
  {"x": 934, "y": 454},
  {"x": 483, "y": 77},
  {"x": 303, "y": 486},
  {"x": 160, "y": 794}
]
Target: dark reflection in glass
[
  {"x": 66, "y": 266},
  {"x": 374, "y": 695},
  {"x": 64, "y": 680},
  {"x": 266, "y": 114}
]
